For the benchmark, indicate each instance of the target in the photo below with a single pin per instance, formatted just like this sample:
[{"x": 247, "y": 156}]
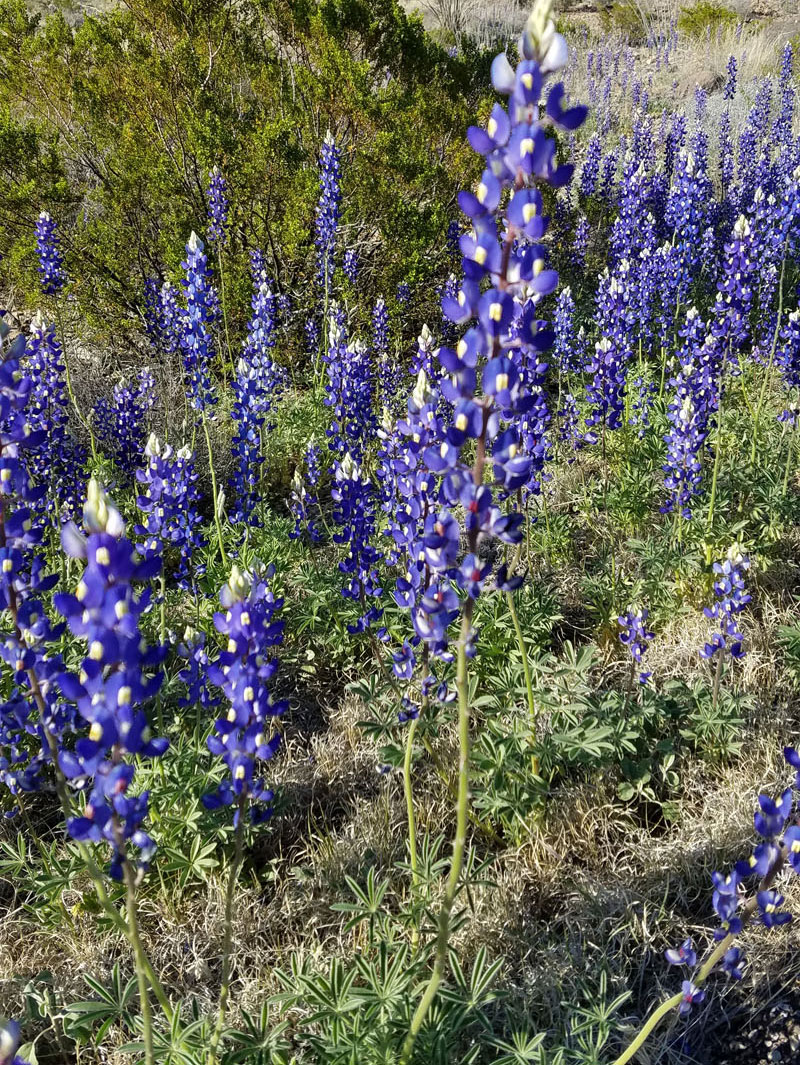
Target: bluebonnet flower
[
  {"x": 304, "y": 501},
  {"x": 735, "y": 288},
  {"x": 52, "y": 275},
  {"x": 727, "y": 167},
  {"x": 217, "y": 207},
  {"x": 350, "y": 265},
  {"x": 311, "y": 336},
  {"x": 196, "y": 340},
  {"x": 10, "y": 1035},
  {"x": 565, "y": 348},
  {"x": 354, "y": 512},
  {"x": 116, "y": 679},
  {"x": 154, "y": 321},
  {"x": 608, "y": 366},
  {"x": 425, "y": 356},
  {"x": 169, "y": 320},
  {"x": 389, "y": 370},
  {"x": 328, "y": 209},
  {"x": 731, "y": 599},
  {"x": 348, "y": 391},
  {"x": 453, "y": 236},
  {"x": 591, "y": 166},
  {"x": 691, "y": 995},
  {"x": 687, "y": 207},
  {"x": 729, "y": 90},
  {"x": 403, "y": 293},
  {"x": 257, "y": 386},
  {"x": 782, "y": 127},
  {"x": 635, "y": 636},
  {"x": 793, "y": 759},
  {"x": 121, "y": 422},
  {"x": 244, "y": 672},
  {"x": 731, "y": 963},
  {"x": 769, "y": 904},
  {"x": 580, "y": 242},
  {"x": 491, "y": 378},
  {"x": 696, "y": 400},
  {"x": 641, "y": 405},
  {"x": 684, "y": 955},
  {"x": 199, "y": 690},
  {"x": 169, "y": 499},
  {"x": 31, "y": 709},
  {"x": 58, "y": 461}
]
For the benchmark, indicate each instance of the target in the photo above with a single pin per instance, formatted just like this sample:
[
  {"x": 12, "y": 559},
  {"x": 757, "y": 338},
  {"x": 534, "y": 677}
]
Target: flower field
[{"x": 399, "y": 536}]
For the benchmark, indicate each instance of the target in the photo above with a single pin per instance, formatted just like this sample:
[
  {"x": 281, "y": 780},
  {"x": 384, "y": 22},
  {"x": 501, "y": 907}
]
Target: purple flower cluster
[
  {"x": 354, "y": 512},
  {"x": 731, "y": 598},
  {"x": 217, "y": 207},
  {"x": 169, "y": 498},
  {"x": 31, "y": 709},
  {"x": 305, "y": 502},
  {"x": 257, "y": 386},
  {"x": 243, "y": 672},
  {"x": 348, "y": 390},
  {"x": 328, "y": 209},
  {"x": 120, "y": 423},
  {"x": 117, "y": 678},
  {"x": 58, "y": 461},
  {"x": 635, "y": 636},
  {"x": 52, "y": 275},
  {"x": 196, "y": 340}
]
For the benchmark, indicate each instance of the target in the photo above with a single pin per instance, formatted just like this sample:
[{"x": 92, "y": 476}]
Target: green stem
[
  {"x": 788, "y": 467},
  {"x": 224, "y": 309},
  {"x": 141, "y": 961},
  {"x": 459, "y": 842},
  {"x": 526, "y": 670},
  {"x": 717, "y": 679},
  {"x": 233, "y": 876},
  {"x": 85, "y": 422},
  {"x": 162, "y": 624},
  {"x": 412, "y": 827},
  {"x": 719, "y": 951},
  {"x": 215, "y": 501},
  {"x": 717, "y": 459},
  {"x": 768, "y": 373}
]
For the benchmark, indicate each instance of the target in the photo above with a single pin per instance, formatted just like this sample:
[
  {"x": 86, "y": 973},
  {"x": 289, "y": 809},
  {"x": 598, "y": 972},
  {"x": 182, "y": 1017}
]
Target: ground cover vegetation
[{"x": 399, "y": 498}]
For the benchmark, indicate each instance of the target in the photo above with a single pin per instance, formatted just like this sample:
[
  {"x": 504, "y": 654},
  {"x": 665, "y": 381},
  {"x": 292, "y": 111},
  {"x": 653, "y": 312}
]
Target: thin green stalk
[
  {"x": 217, "y": 522},
  {"x": 412, "y": 826},
  {"x": 768, "y": 372},
  {"x": 162, "y": 623},
  {"x": 141, "y": 962},
  {"x": 719, "y": 951},
  {"x": 787, "y": 468},
  {"x": 459, "y": 842},
  {"x": 233, "y": 876},
  {"x": 84, "y": 421},
  {"x": 717, "y": 459},
  {"x": 223, "y": 304},
  {"x": 717, "y": 679},
  {"x": 526, "y": 670}
]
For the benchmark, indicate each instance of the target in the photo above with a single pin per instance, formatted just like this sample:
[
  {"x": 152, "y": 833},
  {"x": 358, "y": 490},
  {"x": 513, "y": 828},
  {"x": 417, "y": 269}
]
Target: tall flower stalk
[{"x": 488, "y": 410}]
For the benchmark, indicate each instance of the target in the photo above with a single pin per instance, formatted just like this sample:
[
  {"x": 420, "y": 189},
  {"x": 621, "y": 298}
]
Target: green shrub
[{"x": 705, "y": 16}]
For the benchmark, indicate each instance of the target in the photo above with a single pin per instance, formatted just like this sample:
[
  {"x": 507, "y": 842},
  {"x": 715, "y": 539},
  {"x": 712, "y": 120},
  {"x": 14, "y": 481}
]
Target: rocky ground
[{"x": 767, "y": 1036}]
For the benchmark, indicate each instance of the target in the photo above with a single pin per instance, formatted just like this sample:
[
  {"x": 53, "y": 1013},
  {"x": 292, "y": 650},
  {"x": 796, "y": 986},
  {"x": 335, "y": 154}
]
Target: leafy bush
[{"x": 705, "y": 16}]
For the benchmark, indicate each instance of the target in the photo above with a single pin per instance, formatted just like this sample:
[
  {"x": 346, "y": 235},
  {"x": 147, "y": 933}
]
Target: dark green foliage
[{"x": 113, "y": 127}]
